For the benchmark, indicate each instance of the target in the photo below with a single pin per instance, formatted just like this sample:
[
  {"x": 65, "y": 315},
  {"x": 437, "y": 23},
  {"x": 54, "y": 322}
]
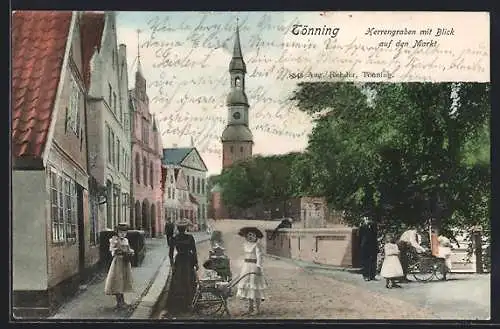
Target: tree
[
  {"x": 401, "y": 153},
  {"x": 259, "y": 180}
]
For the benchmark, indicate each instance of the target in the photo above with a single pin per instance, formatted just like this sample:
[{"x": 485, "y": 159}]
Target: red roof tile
[
  {"x": 91, "y": 28},
  {"x": 38, "y": 48}
]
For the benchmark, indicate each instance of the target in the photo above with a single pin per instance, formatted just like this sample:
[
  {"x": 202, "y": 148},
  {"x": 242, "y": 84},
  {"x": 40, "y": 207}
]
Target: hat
[
  {"x": 245, "y": 230},
  {"x": 182, "y": 222},
  {"x": 122, "y": 226},
  {"x": 218, "y": 250}
]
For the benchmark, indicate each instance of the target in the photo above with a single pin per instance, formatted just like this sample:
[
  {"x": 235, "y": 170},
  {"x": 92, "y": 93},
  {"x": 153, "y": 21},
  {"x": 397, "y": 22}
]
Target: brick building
[
  {"x": 147, "y": 194},
  {"x": 51, "y": 233}
]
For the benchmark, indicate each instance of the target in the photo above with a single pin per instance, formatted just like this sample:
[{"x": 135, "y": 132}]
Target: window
[
  {"x": 241, "y": 149},
  {"x": 121, "y": 111},
  {"x": 173, "y": 193},
  {"x": 114, "y": 103},
  {"x": 145, "y": 131},
  {"x": 110, "y": 90},
  {"x": 193, "y": 186},
  {"x": 203, "y": 186},
  {"x": 73, "y": 113},
  {"x": 124, "y": 166},
  {"x": 116, "y": 209},
  {"x": 70, "y": 208},
  {"x": 137, "y": 168},
  {"x": 231, "y": 149},
  {"x": 145, "y": 171},
  {"x": 151, "y": 174},
  {"x": 198, "y": 185},
  {"x": 188, "y": 181},
  {"x": 169, "y": 193},
  {"x": 108, "y": 134},
  {"x": 118, "y": 156},
  {"x": 94, "y": 228},
  {"x": 171, "y": 179},
  {"x": 63, "y": 210},
  {"x": 124, "y": 207}
]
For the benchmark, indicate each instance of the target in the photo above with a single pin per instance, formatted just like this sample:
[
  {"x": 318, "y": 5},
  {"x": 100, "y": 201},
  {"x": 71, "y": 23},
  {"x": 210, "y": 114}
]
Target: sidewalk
[{"x": 92, "y": 303}]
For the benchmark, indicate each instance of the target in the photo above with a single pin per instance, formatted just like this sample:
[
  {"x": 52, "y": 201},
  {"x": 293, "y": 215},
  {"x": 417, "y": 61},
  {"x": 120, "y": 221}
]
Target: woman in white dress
[
  {"x": 119, "y": 279},
  {"x": 391, "y": 267},
  {"x": 251, "y": 288}
]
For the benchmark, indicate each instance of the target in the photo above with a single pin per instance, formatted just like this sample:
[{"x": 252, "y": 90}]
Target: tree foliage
[
  {"x": 401, "y": 153},
  {"x": 261, "y": 179}
]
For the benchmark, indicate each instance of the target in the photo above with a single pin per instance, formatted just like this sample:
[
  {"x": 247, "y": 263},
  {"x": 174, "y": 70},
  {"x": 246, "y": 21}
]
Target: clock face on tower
[{"x": 236, "y": 115}]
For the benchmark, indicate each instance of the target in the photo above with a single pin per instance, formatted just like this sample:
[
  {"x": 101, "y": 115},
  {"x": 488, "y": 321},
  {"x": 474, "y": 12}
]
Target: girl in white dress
[
  {"x": 251, "y": 287},
  {"x": 391, "y": 267},
  {"x": 119, "y": 279}
]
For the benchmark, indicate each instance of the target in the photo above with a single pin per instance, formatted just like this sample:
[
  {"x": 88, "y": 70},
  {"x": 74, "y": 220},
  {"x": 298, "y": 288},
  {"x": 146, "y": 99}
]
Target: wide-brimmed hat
[
  {"x": 182, "y": 222},
  {"x": 122, "y": 226},
  {"x": 251, "y": 229}
]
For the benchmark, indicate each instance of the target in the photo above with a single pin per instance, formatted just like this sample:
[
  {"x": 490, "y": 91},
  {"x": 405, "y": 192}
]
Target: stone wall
[{"x": 328, "y": 246}]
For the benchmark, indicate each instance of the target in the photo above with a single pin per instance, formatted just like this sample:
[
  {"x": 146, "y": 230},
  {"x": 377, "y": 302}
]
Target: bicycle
[{"x": 424, "y": 267}]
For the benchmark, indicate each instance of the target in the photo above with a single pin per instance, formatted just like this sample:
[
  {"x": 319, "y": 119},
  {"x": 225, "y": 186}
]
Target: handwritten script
[{"x": 188, "y": 57}]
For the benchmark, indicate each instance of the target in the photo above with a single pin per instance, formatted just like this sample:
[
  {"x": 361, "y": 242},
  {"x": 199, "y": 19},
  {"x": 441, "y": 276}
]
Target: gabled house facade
[
  {"x": 146, "y": 155},
  {"x": 109, "y": 120},
  {"x": 51, "y": 233},
  {"x": 195, "y": 171}
]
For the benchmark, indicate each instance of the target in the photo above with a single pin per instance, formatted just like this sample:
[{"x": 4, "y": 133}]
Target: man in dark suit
[
  {"x": 369, "y": 248},
  {"x": 285, "y": 223},
  {"x": 169, "y": 231}
]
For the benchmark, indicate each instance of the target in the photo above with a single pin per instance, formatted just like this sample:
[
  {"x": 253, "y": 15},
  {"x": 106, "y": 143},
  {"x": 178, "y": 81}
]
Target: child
[
  {"x": 444, "y": 252},
  {"x": 119, "y": 279},
  {"x": 251, "y": 287},
  {"x": 391, "y": 267}
]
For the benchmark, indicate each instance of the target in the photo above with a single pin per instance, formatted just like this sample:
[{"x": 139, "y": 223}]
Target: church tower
[{"x": 237, "y": 139}]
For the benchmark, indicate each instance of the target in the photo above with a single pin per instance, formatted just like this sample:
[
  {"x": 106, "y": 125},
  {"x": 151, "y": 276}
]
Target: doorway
[{"x": 81, "y": 231}]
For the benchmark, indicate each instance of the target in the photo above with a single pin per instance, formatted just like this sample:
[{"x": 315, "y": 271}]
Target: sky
[{"x": 185, "y": 59}]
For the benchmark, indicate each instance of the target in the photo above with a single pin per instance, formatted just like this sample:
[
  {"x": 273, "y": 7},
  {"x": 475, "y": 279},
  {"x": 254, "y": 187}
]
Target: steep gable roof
[
  {"x": 175, "y": 155},
  {"x": 38, "y": 48},
  {"x": 91, "y": 29}
]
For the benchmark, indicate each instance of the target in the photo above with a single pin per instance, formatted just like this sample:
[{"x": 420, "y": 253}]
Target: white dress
[
  {"x": 391, "y": 267},
  {"x": 252, "y": 286},
  {"x": 119, "y": 279},
  {"x": 444, "y": 251}
]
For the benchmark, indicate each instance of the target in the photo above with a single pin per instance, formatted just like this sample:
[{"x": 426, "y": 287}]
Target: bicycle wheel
[
  {"x": 208, "y": 304},
  {"x": 423, "y": 271}
]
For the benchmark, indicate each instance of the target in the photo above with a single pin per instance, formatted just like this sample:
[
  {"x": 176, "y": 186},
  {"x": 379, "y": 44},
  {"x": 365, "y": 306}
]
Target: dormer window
[{"x": 237, "y": 83}]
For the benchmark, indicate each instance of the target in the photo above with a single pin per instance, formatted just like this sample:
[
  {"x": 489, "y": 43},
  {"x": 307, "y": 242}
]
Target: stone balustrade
[{"x": 328, "y": 246}]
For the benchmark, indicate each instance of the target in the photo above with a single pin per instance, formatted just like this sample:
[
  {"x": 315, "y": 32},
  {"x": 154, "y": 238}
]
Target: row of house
[
  {"x": 185, "y": 191},
  {"x": 86, "y": 153}
]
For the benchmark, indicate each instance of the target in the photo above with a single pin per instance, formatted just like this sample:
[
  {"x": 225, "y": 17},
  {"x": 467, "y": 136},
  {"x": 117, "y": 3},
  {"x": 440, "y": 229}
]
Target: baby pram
[{"x": 212, "y": 292}]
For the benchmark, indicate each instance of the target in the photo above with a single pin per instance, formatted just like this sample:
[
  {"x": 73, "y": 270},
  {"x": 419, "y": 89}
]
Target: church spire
[
  {"x": 237, "y": 44},
  {"x": 139, "y": 66},
  {"x": 237, "y": 62}
]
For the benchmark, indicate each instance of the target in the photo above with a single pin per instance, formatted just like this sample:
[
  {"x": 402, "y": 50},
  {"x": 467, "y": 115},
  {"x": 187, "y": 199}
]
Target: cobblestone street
[{"x": 298, "y": 291}]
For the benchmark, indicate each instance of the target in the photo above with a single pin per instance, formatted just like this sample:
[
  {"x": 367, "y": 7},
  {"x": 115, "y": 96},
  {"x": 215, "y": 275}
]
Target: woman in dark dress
[{"x": 183, "y": 281}]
